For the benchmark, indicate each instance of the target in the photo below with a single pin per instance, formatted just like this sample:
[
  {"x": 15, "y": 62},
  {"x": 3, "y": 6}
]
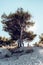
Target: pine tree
[{"x": 16, "y": 24}]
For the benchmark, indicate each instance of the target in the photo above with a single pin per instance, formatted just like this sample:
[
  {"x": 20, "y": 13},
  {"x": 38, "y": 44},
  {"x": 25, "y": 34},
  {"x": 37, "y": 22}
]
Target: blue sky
[{"x": 35, "y": 7}]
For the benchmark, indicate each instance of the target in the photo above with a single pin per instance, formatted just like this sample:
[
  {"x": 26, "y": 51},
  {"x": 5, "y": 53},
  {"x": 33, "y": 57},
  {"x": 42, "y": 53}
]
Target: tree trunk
[{"x": 20, "y": 41}]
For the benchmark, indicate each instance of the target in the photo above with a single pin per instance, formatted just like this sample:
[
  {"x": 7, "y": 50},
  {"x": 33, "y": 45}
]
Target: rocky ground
[{"x": 33, "y": 58}]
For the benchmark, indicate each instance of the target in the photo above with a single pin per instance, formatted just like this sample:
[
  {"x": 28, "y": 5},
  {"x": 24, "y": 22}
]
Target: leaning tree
[{"x": 16, "y": 24}]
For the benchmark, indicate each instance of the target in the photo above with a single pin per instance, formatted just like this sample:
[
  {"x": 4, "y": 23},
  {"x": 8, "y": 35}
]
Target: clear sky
[{"x": 35, "y": 7}]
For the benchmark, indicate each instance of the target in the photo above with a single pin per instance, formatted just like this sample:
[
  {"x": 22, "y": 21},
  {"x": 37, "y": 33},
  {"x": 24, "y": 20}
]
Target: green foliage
[{"x": 16, "y": 23}]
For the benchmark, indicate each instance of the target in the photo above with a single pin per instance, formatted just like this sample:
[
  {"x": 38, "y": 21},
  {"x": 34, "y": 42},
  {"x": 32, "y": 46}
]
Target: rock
[
  {"x": 29, "y": 51},
  {"x": 4, "y": 52}
]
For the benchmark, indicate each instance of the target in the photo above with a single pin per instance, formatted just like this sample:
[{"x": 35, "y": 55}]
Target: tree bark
[{"x": 20, "y": 41}]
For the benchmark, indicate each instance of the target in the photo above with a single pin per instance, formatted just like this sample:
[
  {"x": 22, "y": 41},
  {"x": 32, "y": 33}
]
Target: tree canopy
[{"x": 16, "y": 23}]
